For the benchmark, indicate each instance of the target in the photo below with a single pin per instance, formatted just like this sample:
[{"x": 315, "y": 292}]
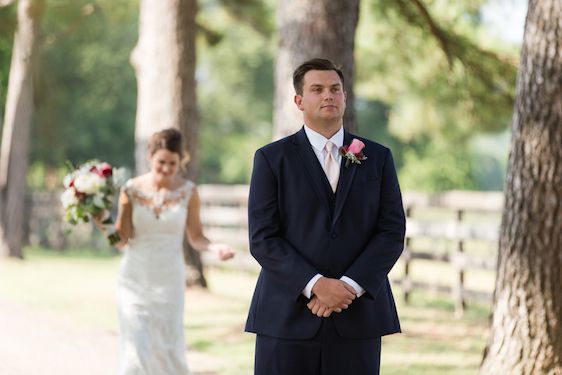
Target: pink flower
[
  {"x": 356, "y": 146},
  {"x": 353, "y": 153}
]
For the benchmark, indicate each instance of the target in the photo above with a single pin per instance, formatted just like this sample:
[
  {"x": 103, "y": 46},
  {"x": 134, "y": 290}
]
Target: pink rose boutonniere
[{"x": 353, "y": 153}]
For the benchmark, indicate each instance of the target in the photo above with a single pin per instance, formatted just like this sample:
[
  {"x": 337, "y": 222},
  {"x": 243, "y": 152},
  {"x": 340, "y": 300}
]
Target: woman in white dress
[{"x": 156, "y": 210}]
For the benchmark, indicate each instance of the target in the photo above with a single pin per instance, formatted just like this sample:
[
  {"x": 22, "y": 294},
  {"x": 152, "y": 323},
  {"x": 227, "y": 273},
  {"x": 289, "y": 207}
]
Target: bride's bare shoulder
[
  {"x": 179, "y": 182},
  {"x": 141, "y": 181}
]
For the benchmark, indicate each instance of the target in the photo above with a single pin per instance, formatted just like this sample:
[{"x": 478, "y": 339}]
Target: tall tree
[
  {"x": 16, "y": 129},
  {"x": 526, "y": 332},
  {"x": 307, "y": 29},
  {"x": 164, "y": 60}
]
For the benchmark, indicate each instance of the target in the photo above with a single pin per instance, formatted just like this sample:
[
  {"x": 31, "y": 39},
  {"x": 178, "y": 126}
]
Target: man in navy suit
[{"x": 326, "y": 227}]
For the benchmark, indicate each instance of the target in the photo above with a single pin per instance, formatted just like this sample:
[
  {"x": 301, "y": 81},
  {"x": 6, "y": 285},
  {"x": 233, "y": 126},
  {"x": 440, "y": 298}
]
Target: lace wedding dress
[{"x": 151, "y": 284}]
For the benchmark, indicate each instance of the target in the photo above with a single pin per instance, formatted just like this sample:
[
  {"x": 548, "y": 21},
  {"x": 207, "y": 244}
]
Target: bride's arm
[
  {"x": 124, "y": 222},
  {"x": 195, "y": 234}
]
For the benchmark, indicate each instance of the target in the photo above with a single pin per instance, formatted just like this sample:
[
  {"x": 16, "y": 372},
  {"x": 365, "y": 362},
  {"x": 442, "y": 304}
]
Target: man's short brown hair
[{"x": 313, "y": 64}]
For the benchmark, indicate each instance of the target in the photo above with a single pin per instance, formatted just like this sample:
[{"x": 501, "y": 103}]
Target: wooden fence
[
  {"x": 449, "y": 236},
  {"x": 456, "y": 228}
]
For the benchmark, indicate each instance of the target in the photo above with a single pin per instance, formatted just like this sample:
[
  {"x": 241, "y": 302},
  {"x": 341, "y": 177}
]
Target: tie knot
[{"x": 329, "y": 146}]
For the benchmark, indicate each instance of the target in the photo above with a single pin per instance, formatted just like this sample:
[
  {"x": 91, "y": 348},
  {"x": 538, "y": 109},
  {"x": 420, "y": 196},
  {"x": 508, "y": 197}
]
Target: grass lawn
[{"x": 80, "y": 287}]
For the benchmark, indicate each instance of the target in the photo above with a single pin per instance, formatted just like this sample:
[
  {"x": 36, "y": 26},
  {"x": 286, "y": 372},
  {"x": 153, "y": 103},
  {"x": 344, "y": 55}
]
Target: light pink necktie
[{"x": 331, "y": 167}]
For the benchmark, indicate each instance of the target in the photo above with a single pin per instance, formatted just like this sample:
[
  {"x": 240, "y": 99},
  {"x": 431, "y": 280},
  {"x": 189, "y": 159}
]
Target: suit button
[{"x": 334, "y": 235}]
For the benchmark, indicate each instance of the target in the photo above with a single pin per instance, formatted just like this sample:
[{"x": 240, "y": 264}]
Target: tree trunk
[
  {"x": 526, "y": 331},
  {"x": 164, "y": 60},
  {"x": 16, "y": 130},
  {"x": 308, "y": 29}
]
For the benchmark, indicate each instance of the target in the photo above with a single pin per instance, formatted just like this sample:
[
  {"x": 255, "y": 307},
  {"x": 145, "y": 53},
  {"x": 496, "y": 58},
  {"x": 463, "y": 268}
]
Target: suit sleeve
[
  {"x": 279, "y": 259},
  {"x": 371, "y": 268}
]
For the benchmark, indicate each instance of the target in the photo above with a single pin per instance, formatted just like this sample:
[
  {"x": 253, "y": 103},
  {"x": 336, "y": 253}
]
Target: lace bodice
[{"x": 159, "y": 213}]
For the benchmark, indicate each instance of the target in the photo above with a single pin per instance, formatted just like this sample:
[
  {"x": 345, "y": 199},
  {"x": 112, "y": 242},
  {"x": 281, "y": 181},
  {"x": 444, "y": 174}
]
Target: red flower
[{"x": 104, "y": 170}]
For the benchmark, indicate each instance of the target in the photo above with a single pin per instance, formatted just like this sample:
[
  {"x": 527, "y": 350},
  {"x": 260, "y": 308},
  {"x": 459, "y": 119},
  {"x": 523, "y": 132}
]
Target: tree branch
[
  {"x": 250, "y": 12},
  {"x": 428, "y": 22},
  {"x": 435, "y": 30},
  {"x": 481, "y": 63}
]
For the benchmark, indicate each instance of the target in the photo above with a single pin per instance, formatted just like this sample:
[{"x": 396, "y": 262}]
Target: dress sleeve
[
  {"x": 189, "y": 186},
  {"x": 127, "y": 188}
]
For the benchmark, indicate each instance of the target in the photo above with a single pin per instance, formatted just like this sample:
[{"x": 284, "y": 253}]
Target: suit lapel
[
  {"x": 314, "y": 171},
  {"x": 345, "y": 180}
]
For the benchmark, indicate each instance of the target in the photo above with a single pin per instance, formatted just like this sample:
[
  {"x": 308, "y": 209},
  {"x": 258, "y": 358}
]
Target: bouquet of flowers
[{"x": 89, "y": 191}]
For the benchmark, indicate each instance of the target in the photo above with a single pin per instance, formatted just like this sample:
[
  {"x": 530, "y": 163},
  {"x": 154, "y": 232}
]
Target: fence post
[
  {"x": 459, "y": 295},
  {"x": 406, "y": 255}
]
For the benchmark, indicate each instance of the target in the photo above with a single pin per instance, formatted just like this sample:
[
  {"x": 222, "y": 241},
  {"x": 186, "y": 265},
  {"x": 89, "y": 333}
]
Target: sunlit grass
[{"x": 80, "y": 286}]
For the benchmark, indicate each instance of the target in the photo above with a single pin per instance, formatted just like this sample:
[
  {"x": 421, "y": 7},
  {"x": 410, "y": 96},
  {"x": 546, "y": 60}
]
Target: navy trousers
[{"x": 325, "y": 354}]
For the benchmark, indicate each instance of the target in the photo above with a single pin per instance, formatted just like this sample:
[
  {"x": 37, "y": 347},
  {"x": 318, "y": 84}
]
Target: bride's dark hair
[{"x": 169, "y": 139}]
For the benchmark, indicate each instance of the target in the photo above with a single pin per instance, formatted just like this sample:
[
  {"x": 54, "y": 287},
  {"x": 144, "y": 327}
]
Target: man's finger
[
  {"x": 311, "y": 304},
  {"x": 315, "y": 308},
  {"x": 349, "y": 288}
]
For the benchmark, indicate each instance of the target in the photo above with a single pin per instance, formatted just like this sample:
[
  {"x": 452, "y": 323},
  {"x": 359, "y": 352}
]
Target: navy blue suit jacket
[{"x": 298, "y": 227}]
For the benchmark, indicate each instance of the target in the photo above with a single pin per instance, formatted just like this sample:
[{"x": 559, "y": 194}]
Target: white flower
[
  {"x": 67, "y": 180},
  {"x": 68, "y": 198},
  {"x": 120, "y": 175},
  {"x": 89, "y": 183},
  {"x": 98, "y": 200}
]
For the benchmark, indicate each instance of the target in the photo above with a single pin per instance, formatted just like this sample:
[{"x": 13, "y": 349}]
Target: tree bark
[
  {"x": 309, "y": 29},
  {"x": 165, "y": 60},
  {"x": 526, "y": 329},
  {"x": 16, "y": 130}
]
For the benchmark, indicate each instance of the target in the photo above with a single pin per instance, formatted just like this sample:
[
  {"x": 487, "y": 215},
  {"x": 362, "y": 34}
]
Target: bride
[{"x": 155, "y": 210}]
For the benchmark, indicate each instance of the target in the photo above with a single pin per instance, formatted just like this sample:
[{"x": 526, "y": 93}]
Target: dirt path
[{"x": 41, "y": 343}]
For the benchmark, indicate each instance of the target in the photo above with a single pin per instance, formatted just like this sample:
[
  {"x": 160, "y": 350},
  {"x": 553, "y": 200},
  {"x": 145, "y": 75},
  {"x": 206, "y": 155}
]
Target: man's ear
[{"x": 298, "y": 101}]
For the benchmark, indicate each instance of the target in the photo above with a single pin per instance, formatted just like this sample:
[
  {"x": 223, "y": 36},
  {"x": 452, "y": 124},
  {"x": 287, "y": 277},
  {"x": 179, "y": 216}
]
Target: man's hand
[
  {"x": 319, "y": 309},
  {"x": 333, "y": 293}
]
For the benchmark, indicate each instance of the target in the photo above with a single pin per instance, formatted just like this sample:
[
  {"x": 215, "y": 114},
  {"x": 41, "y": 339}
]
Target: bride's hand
[
  {"x": 224, "y": 252},
  {"x": 99, "y": 218}
]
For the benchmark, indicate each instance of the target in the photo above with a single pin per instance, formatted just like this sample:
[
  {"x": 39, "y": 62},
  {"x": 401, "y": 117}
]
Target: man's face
[{"x": 323, "y": 98}]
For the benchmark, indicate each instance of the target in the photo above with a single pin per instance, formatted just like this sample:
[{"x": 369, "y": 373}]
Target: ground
[{"x": 41, "y": 343}]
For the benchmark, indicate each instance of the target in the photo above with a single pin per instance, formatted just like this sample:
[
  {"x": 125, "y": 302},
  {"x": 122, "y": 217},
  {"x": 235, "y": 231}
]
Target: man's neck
[{"x": 328, "y": 130}]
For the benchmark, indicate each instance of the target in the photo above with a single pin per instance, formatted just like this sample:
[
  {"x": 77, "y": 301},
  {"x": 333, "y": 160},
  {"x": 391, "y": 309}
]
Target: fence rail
[{"x": 458, "y": 229}]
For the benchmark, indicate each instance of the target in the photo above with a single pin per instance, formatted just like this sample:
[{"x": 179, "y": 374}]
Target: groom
[{"x": 326, "y": 229}]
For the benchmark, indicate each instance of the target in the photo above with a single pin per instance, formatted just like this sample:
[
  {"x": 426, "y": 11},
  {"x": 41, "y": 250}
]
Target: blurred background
[{"x": 432, "y": 80}]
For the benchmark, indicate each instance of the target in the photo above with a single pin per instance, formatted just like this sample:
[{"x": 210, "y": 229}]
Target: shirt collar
[{"x": 318, "y": 141}]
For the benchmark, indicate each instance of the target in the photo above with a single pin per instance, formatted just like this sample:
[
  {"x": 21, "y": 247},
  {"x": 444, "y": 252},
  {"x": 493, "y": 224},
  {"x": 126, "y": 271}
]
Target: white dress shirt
[{"x": 318, "y": 142}]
